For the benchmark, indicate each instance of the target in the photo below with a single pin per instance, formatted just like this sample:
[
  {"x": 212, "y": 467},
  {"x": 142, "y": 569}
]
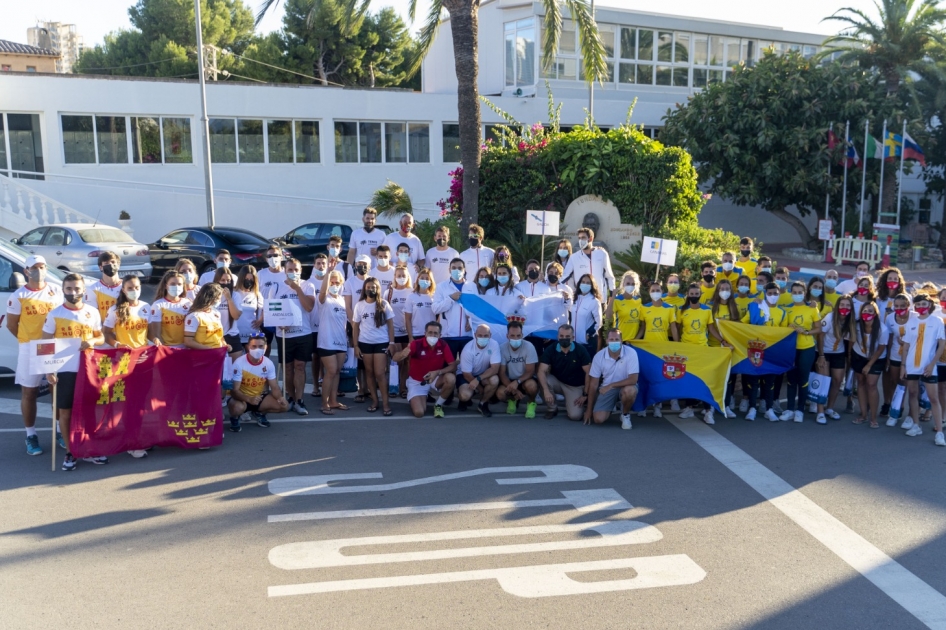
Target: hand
[
  {"x": 468, "y": 329},
  {"x": 358, "y": 354},
  {"x": 821, "y": 361},
  {"x": 255, "y": 400},
  {"x": 257, "y": 323},
  {"x": 392, "y": 348},
  {"x": 455, "y": 296},
  {"x": 604, "y": 390},
  {"x": 866, "y": 369},
  {"x": 157, "y": 342},
  {"x": 85, "y": 345},
  {"x": 283, "y": 401},
  {"x": 903, "y": 372},
  {"x": 587, "y": 417},
  {"x": 431, "y": 376},
  {"x": 226, "y": 293},
  {"x": 927, "y": 372},
  {"x": 52, "y": 379},
  {"x": 548, "y": 398},
  {"x": 331, "y": 265},
  {"x": 725, "y": 344},
  {"x": 581, "y": 400}
]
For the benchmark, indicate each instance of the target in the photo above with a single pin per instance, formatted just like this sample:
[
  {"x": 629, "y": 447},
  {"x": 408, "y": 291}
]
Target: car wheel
[{"x": 210, "y": 266}]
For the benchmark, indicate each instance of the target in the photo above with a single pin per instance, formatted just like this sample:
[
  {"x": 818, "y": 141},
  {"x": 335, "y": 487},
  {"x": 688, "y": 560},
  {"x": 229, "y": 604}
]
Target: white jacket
[{"x": 453, "y": 317}]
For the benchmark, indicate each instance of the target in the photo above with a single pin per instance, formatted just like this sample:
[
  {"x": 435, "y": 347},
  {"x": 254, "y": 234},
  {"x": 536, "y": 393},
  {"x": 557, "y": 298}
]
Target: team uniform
[
  {"x": 267, "y": 279},
  {"x": 364, "y": 241},
  {"x": 693, "y": 324},
  {"x": 861, "y": 348},
  {"x": 722, "y": 313},
  {"x": 627, "y": 315},
  {"x": 532, "y": 289},
  {"x": 420, "y": 306},
  {"x": 251, "y": 309},
  {"x": 424, "y": 359},
  {"x": 453, "y": 317},
  {"x": 923, "y": 336},
  {"x": 171, "y": 316},
  {"x": 475, "y": 259},
  {"x": 749, "y": 267},
  {"x": 67, "y": 323},
  {"x": 206, "y": 326},
  {"x": 597, "y": 265},
  {"x": 386, "y": 277},
  {"x": 439, "y": 263},
  {"x": 298, "y": 338},
  {"x": 102, "y": 297},
  {"x": 656, "y": 322},
  {"x": 394, "y": 239},
  {"x": 743, "y": 301},
  {"x": 897, "y": 333},
  {"x": 586, "y": 319},
  {"x": 333, "y": 337},
  {"x": 706, "y": 293},
  {"x": 832, "y": 345},
  {"x": 134, "y": 331},
  {"x": 313, "y": 316},
  {"x": 372, "y": 339},
  {"x": 251, "y": 379},
  {"x": 611, "y": 370},
  {"x": 398, "y": 299},
  {"x": 353, "y": 287},
  {"x": 32, "y": 307},
  {"x": 675, "y": 301}
]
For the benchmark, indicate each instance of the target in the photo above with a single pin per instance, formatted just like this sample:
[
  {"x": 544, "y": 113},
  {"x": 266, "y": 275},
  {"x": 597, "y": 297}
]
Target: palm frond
[
  {"x": 555, "y": 112},
  {"x": 426, "y": 36},
  {"x": 264, "y": 8},
  {"x": 391, "y": 201},
  {"x": 589, "y": 40},
  {"x": 551, "y": 32}
]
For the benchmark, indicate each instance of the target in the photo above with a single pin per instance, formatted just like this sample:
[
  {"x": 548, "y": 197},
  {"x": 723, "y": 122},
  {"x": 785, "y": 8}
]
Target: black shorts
[
  {"x": 895, "y": 364},
  {"x": 323, "y": 352},
  {"x": 372, "y": 348},
  {"x": 315, "y": 341},
  {"x": 836, "y": 360},
  {"x": 941, "y": 372},
  {"x": 402, "y": 339},
  {"x": 270, "y": 333},
  {"x": 298, "y": 348},
  {"x": 932, "y": 379},
  {"x": 858, "y": 363},
  {"x": 456, "y": 344},
  {"x": 234, "y": 342},
  {"x": 66, "y": 390}
]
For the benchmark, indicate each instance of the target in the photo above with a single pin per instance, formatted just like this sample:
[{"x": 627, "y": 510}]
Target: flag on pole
[
  {"x": 893, "y": 146},
  {"x": 874, "y": 148},
  {"x": 912, "y": 151},
  {"x": 851, "y": 157}
]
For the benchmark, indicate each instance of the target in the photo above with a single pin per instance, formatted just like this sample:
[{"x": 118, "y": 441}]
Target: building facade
[
  {"x": 58, "y": 37},
  {"x": 16, "y": 57}
]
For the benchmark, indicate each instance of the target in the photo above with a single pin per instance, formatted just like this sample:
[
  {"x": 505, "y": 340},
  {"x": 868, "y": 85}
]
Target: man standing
[
  {"x": 298, "y": 339},
  {"x": 517, "y": 371},
  {"x": 221, "y": 259},
  {"x": 446, "y": 304},
  {"x": 438, "y": 258},
  {"x": 563, "y": 369},
  {"x": 103, "y": 294},
  {"x": 270, "y": 278},
  {"x": 847, "y": 287},
  {"x": 432, "y": 371},
  {"x": 26, "y": 313},
  {"x": 478, "y": 255},
  {"x": 479, "y": 370},
  {"x": 334, "y": 250},
  {"x": 616, "y": 369},
  {"x": 364, "y": 242},
  {"x": 593, "y": 261},
  {"x": 404, "y": 235},
  {"x": 384, "y": 270},
  {"x": 533, "y": 284}
]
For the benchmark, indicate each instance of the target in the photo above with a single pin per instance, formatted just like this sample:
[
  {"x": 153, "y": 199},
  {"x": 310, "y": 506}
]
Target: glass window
[
  {"x": 33, "y": 238},
  {"x": 223, "y": 140},
  {"x": 645, "y": 45},
  {"x": 663, "y": 75},
  {"x": 112, "y": 139},
  {"x": 700, "y": 46},
  {"x": 307, "y": 142},
  {"x": 369, "y": 141},
  {"x": 250, "y": 140},
  {"x": 681, "y": 48},
  {"x": 567, "y": 68},
  {"x": 607, "y": 39},
  {"x": 241, "y": 237},
  {"x": 747, "y": 51},
  {"x": 525, "y": 55},
  {"x": 451, "y": 142},
  {"x": 628, "y": 43},
  {"x": 175, "y": 238},
  {"x": 715, "y": 76},
  {"x": 177, "y": 141},
  {"x": 732, "y": 51},
  {"x": 306, "y": 233},
  {"x": 609, "y": 71},
  {"x": 567, "y": 40},
  {"x": 103, "y": 235},
  {"x": 346, "y": 142},
  {"x": 645, "y": 74},
  {"x": 419, "y": 142},
  {"x": 810, "y": 51},
  {"x": 26, "y": 145},
  {"x": 715, "y": 50},
  {"x": 146, "y": 140},
  {"x": 680, "y": 77},
  {"x": 395, "y": 142},
  {"x": 279, "y": 134},
  {"x": 699, "y": 77},
  {"x": 77, "y": 140},
  {"x": 494, "y": 133},
  {"x": 511, "y": 58},
  {"x": 664, "y": 46},
  {"x": 627, "y": 73},
  {"x": 3, "y": 147}
]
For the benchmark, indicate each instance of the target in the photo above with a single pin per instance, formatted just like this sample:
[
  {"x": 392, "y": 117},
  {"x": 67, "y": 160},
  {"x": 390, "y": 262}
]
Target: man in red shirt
[{"x": 432, "y": 370}]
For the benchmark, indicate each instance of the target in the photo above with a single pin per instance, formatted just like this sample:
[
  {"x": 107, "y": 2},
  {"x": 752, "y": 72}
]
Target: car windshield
[
  {"x": 104, "y": 235},
  {"x": 20, "y": 255},
  {"x": 240, "y": 237}
]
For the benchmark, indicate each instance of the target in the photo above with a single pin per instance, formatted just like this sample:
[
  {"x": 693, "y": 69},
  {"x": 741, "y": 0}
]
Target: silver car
[{"x": 76, "y": 247}]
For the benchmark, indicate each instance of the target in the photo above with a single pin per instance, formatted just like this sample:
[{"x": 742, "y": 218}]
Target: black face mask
[
  {"x": 708, "y": 278},
  {"x": 247, "y": 283},
  {"x": 553, "y": 279},
  {"x": 745, "y": 252},
  {"x": 533, "y": 274},
  {"x": 371, "y": 292},
  {"x": 564, "y": 342},
  {"x": 474, "y": 242},
  {"x": 361, "y": 269},
  {"x": 109, "y": 270},
  {"x": 693, "y": 299},
  {"x": 75, "y": 298},
  {"x": 441, "y": 242}
]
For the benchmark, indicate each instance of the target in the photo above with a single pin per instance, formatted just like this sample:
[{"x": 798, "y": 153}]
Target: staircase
[{"x": 22, "y": 208}]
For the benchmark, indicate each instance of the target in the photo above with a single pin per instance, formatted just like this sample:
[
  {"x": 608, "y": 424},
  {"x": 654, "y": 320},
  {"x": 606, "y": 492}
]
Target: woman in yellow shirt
[
  {"x": 815, "y": 296},
  {"x": 723, "y": 306},
  {"x": 744, "y": 295},
  {"x": 624, "y": 309},
  {"x": 658, "y": 319},
  {"x": 695, "y": 323},
  {"x": 126, "y": 325},
  {"x": 805, "y": 319},
  {"x": 168, "y": 311},
  {"x": 673, "y": 297},
  {"x": 202, "y": 327}
]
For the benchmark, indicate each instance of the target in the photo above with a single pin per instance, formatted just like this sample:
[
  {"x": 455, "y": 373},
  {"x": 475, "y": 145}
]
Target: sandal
[
  {"x": 360, "y": 398},
  {"x": 371, "y": 409},
  {"x": 327, "y": 411},
  {"x": 317, "y": 393},
  {"x": 403, "y": 394},
  {"x": 874, "y": 425},
  {"x": 387, "y": 412},
  {"x": 341, "y": 406},
  {"x": 858, "y": 421}
]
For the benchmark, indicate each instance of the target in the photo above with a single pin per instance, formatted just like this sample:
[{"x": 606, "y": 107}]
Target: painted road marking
[
  {"x": 919, "y": 598},
  {"x": 547, "y": 580},
  {"x": 319, "y": 484}
]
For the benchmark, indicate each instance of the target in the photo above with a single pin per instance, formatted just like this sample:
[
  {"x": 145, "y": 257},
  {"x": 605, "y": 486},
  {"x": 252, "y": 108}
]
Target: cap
[
  {"x": 363, "y": 259},
  {"x": 33, "y": 260}
]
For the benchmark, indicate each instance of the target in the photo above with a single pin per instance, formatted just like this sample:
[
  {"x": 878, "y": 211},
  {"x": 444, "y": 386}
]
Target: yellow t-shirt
[
  {"x": 804, "y": 316},
  {"x": 32, "y": 307},
  {"x": 251, "y": 378},
  {"x": 722, "y": 313},
  {"x": 785, "y": 299},
  {"x": 171, "y": 317},
  {"x": 831, "y": 298},
  {"x": 206, "y": 326},
  {"x": 134, "y": 332},
  {"x": 743, "y": 302},
  {"x": 749, "y": 266},
  {"x": 66, "y": 323},
  {"x": 676, "y": 301},
  {"x": 656, "y": 321},
  {"x": 694, "y": 324},
  {"x": 627, "y": 316},
  {"x": 706, "y": 293},
  {"x": 102, "y": 296},
  {"x": 732, "y": 276}
]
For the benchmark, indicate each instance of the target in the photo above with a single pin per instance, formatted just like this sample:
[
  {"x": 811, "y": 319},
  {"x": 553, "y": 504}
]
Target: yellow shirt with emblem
[
  {"x": 706, "y": 293},
  {"x": 627, "y": 316},
  {"x": 206, "y": 327},
  {"x": 785, "y": 299},
  {"x": 805, "y": 316},
  {"x": 656, "y": 321},
  {"x": 33, "y": 307},
  {"x": 721, "y": 313},
  {"x": 66, "y": 323},
  {"x": 134, "y": 331},
  {"x": 102, "y": 297},
  {"x": 251, "y": 379},
  {"x": 743, "y": 301},
  {"x": 749, "y": 267},
  {"x": 676, "y": 301},
  {"x": 171, "y": 317},
  {"x": 693, "y": 324}
]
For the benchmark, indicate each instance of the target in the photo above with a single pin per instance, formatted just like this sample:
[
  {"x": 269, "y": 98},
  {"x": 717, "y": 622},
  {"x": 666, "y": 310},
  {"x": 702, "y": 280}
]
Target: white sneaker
[
  {"x": 708, "y": 417},
  {"x": 728, "y": 412},
  {"x": 626, "y": 421},
  {"x": 799, "y": 416},
  {"x": 687, "y": 413},
  {"x": 820, "y": 419},
  {"x": 744, "y": 405},
  {"x": 138, "y": 454},
  {"x": 770, "y": 416},
  {"x": 657, "y": 412},
  {"x": 939, "y": 440},
  {"x": 675, "y": 405},
  {"x": 907, "y": 423},
  {"x": 831, "y": 413},
  {"x": 891, "y": 422},
  {"x": 751, "y": 415},
  {"x": 914, "y": 431},
  {"x": 812, "y": 407},
  {"x": 539, "y": 400},
  {"x": 642, "y": 414},
  {"x": 786, "y": 416}
]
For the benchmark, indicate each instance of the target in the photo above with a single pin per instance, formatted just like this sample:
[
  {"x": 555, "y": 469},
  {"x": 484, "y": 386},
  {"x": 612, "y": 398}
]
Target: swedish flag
[
  {"x": 669, "y": 370},
  {"x": 759, "y": 350}
]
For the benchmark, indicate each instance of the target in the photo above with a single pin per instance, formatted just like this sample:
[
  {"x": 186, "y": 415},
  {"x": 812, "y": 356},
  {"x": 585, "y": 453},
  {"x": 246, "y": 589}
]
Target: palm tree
[
  {"x": 464, "y": 26},
  {"x": 903, "y": 39}
]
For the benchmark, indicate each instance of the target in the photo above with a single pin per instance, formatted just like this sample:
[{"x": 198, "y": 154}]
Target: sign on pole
[
  {"x": 824, "y": 229},
  {"x": 542, "y": 222},
  {"x": 48, "y": 356},
  {"x": 282, "y": 313},
  {"x": 659, "y": 251}
]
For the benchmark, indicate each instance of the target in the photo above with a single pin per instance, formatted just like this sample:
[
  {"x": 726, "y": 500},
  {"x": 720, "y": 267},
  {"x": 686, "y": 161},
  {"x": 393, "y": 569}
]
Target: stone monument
[{"x": 603, "y": 217}]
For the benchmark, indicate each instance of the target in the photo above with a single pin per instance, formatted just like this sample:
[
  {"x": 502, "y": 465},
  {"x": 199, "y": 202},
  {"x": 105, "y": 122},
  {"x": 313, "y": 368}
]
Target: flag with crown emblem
[
  {"x": 759, "y": 350},
  {"x": 670, "y": 370}
]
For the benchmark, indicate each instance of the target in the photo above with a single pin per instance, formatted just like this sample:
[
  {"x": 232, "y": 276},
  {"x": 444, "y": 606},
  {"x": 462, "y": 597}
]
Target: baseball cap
[
  {"x": 363, "y": 259},
  {"x": 33, "y": 260}
]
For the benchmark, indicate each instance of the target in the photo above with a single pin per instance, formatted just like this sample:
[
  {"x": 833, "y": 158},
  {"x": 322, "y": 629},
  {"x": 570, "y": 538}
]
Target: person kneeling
[
  {"x": 479, "y": 370},
  {"x": 432, "y": 370},
  {"x": 252, "y": 373},
  {"x": 616, "y": 369},
  {"x": 517, "y": 371}
]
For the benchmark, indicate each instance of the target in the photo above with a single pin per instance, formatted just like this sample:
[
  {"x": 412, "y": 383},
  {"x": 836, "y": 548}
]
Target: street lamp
[{"x": 204, "y": 121}]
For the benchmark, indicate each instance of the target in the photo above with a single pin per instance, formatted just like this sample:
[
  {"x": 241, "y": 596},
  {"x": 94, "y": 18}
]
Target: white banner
[
  {"x": 48, "y": 356},
  {"x": 281, "y": 313},
  {"x": 542, "y": 222},
  {"x": 659, "y": 251}
]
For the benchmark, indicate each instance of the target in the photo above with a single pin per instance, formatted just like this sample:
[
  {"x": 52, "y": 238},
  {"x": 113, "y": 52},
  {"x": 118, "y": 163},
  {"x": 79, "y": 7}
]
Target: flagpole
[
  {"x": 860, "y": 225},
  {"x": 883, "y": 158},
  {"x": 54, "y": 429},
  {"x": 903, "y": 144},
  {"x": 827, "y": 194},
  {"x": 847, "y": 141}
]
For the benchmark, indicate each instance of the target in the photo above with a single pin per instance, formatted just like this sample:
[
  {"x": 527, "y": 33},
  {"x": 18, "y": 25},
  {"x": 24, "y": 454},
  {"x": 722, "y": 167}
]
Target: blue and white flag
[{"x": 543, "y": 314}]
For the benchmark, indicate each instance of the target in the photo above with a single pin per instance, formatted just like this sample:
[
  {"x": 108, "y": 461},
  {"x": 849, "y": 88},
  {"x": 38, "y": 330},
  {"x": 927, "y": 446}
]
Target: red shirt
[{"x": 426, "y": 359}]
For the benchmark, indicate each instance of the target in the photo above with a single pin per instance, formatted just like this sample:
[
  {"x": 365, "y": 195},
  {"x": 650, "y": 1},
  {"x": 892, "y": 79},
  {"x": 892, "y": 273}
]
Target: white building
[
  {"x": 58, "y": 37},
  {"x": 287, "y": 154}
]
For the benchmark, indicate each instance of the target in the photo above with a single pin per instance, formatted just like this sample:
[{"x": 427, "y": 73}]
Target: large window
[
  {"x": 222, "y": 140},
  {"x": 145, "y": 140},
  {"x": 520, "y": 52},
  {"x": 279, "y": 135},
  {"x": 451, "y": 142},
  {"x": 568, "y": 61},
  {"x": 78, "y": 139},
  {"x": 23, "y": 145},
  {"x": 307, "y": 142},
  {"x": 250, "y": 141},
  {"x": 177, "y": 140},
  {"x": 112, "y": 141},
  {"x": 104, "y": 139},
  {"x": 376, "y": 142},
  {"x": 255, "y": 141}
]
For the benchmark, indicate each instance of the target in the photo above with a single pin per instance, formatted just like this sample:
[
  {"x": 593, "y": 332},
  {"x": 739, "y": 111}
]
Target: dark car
[
  {"x": 200, "y": 244},
  {"x": 305, "y": 241}
]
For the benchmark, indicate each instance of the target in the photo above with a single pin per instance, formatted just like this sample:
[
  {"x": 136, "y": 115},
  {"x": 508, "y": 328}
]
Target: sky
[{"x": 96, "y": 18}]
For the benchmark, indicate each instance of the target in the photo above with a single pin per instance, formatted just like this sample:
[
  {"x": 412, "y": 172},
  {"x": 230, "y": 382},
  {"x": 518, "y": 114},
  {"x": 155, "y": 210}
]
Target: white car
[{"x": 76, "y": 247}]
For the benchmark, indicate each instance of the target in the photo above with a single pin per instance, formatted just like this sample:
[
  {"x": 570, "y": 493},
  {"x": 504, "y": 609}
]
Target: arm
[
  {"x": 642, "y": 325},
  {"x": 390, "y": 323},
  {"x": 307, "y": 302},
  {"x": 544, "y": 382},
  {"x": 608, "y": 273},
  {"x": 275, "y": 391},
  {"x": 323, "y": 291},
  {"x": 154, "y": 333},
  {"x": 609, "y": 311},
  {"x": 13, "y": 324},
  {"x": 355, "y": 326},
  {"x": 443, "y": 301},
  {"x": 403, "y": 354},
  {"x": 352, "y": 253},
  {"x": 409, "y": 324},
  {"x": 674, "y": 331},
  {"x": 232, "y": 306},
  {"x": 110, "y": 339},
  {"x": 492, "y": 370},
  {"x": 714, "y": 333},
  {"x": 191, "y": 342},
  {"x": 591, "y": 386},
  {"x": 528, "y": 372}
]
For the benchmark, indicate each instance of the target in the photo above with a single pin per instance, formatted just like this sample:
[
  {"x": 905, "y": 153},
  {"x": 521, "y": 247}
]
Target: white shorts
[
  {"x": 23, "y": 376},
  {"x": 416, "y": 388}
]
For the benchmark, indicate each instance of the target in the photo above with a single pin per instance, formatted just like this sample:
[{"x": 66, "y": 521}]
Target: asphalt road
[{"x": 787, "y": 526}]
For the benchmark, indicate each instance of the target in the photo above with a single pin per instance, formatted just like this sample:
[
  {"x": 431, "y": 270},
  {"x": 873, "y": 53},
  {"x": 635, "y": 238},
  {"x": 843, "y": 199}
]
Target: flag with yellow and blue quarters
[
  {"x": 669, "y": 369},
  {"x": 759, "y": 350}
]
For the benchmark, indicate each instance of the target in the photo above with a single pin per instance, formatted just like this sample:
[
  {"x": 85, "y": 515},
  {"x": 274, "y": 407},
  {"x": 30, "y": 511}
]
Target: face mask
[
  {"x": 423, "y": 284},
  {"x": 533, "y": 274},
  {"x": 831, "y": 283},
  {"x": 400, "y": 280},
  {"x": 582, "y": 243},
  {"x": 372, "y": 292},
  {"x": 361, "y": 269},
  {"x": 133, "y": 295},
  {"x": 553, "y": 279},
  {"x": 293, "y": 275},
  {"x": 798, "y": 298},
  {"x": 922, "y": 310},
  {"x": 257, "y": 353},
  {"x": 816, "y": 293},
  {"x": 708, "y": 278},
  {"x": 563, "y": 253},
  {"x": 862, "y": 274},
  {"x": 564, "y": 342},
  {"x": 247, "y": 283},
  {"x": 745, "y": 252},
  {"x": 474, "y": 242},
  {"x": 742, "y": 289},
  {"x": 75, "y": 298},
  {"x": 901, "y": 311},
  {"x": 334, "y": 252},
  {"x": 727, "y": 266},
  {"x": 319, "y": 273},
  {"x": 37, "y": 275},
  {"x": 693, "y": 299},
  {"x": 483, "y": 282},
  {"x": 771, "y": 299},
  {"x": 942, "y": 304},
  {"x": 585, "y": 288},
  {"x": 216, "y": 305},
  {"x": 334, "y": 289},
  {"x": 456, "y": 274},
  {"x": 614, "y": 346},
  {"x": 109, "y": 270},
  {"x": 893, "y": 285},
  {"x": 441, "y": 242},
  {"x": 724, "y": 295},
  {"x": 223, "y": 263},
  {"x": 656, "y": 295},
  {"x": 515, "y": 344},
  {"x": 503, "y": 256},
  {"x": 862, "y": 290},
  {"x": 273, "y": 261},
  {"x": 383, "y": 262},
  {"x": 432, "y": 341},
  {"x": 502, "y": 279},
  {"x": 189, "y": 277},
  {"x": 844, "y": 312},
  {"x": 403, "y": 257},
  {"x": 673, "y": 287},
  {"x": 781, "y": 283},
  {"x": 765, "y": 270},
  {"x": 867, "y": 316},
  {"x": 482, "y": 342},
  {"x": 630, "y": 288},
  {"x": 175, "y": 290}
]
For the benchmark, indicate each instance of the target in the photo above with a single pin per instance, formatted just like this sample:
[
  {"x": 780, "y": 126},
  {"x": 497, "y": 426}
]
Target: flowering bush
[{"x": 452, "y": 206}]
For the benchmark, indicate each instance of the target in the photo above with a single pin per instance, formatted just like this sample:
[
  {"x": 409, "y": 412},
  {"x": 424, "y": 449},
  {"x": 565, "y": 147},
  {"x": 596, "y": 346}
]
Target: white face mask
[
  {"x": 133, "y": 294},
  {"x": 725, "y": 294},
  {"x": 771, "y": 299},
  {"x": 401, "y": 280},
  {"x": 383, "y": 262},
  {"x": 862, "y": 274},
  {"x": 175, "y": 290},
  {"x": 293, "y": 275},
  {"x": 189, "y": 277},
  {"x": 582, "y": 243},
  {"x": 630, "y": 288},
  {"x": 334, "y": 289},
  {"x": 432, "y": 341},
  {"x": 656, "y": 295},
  {"x": 223, "y": 263},
  {"x": 319, "y": 273},
  {"x": 334, "y": 252},
  {"x": 257, "y": 353},
  {"x": 728, "y": 266},
  {"x": 274, "y": 261},
  {"x": 403, "y": 257}
]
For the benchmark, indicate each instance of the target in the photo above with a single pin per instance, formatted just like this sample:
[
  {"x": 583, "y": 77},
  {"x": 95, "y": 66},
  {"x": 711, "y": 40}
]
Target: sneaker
[
  {"x": 438, "y": 411},
  {"x": 657, "y": 412},
  {"x": 675, "y": 406},
  {"x": 831, "y": 413},
  {"x": 914, "y": 431},
  {"x": 642, "y": 413},
  {"x": 551, "y": 413},
  {"x": 939, "y": 440},
  {"x": 812, "y": 407},
  {"x": 626, "y": 421},
  {"x": 511, "y": 407},
  {"x": 777, "y": 407},
  {"x": 751, "y": 415},
  {"x": 32, "y": 445},
  {"x": 786, "y": 416},
  {"x": 891, "y": 422},
  {"x": 884, "y": 409},
  {"x": 770, "y": 416},
  {"x": 98, "y": 461},
  {"x": 484, "y": 410},
  {"x": 138, "y": 454},
  {"x": 530, "y": 410},
  {"x": 821, "y": 419},
  {"x": 60, "y": 442},
  {"x": 262, "y": 420},
  {"x": 300, "y": 408},
  {"x": 687, "y": 413},
  {"x": 235, "y": 425},
  {"x": 69, "y": 462},
  {"x": 907, "y": 423},
  {"x": 708, "y": 417},
  {"x": 799, "y": 416},
  {"x": 744, "y": 405},
  {"x": 728, "y": 412},
  {"x": 463, "y": 405},
  {"x": 292, "y": 405}
]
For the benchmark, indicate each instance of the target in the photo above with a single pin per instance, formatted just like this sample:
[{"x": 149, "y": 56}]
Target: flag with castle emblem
[
  {"x": 153, "y": 396},
  {"x": 759, "y": 350},
  {"x": 671, "y": 370}
]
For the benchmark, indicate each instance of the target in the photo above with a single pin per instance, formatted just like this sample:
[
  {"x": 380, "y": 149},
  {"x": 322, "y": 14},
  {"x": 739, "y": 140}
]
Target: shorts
[
  {"x": 402, "y": 339},
  {"x": 234, "y": 342},
  {"x": 606, "y": 402},
  {"x": 836, "y": 360},
  {"x": 932, "y": 379},
  {"x": 456, "y": 345},
  {"x": 270, "y": 332},
  {"x": 315, "y": 341},
  {"x": 66, "y": 390},
  {"x": 298, "y": 348},
  {"x": 895, "y": 364},
  {"x": 328, "y": 352},
  {"x": 419, "y": 388},
  {"x": 941, "y": 372},
  {"x": 372, "y": 348},
  {"x": 23, "y": 376},
  {"x": 858, "y": 363}
]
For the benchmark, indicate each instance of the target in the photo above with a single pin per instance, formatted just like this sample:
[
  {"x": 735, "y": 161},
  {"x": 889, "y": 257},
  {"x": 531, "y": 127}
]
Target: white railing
[
  {"x": 22, "y": 208},
  {"x": 855, "y": 250}
]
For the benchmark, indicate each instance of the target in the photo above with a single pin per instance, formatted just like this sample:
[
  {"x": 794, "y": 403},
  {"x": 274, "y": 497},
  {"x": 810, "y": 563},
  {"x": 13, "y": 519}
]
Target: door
[
  {"x": 32, "y": 241},
  {"x": 54, "y": 246},
  {"x": 167, "y": 250}
]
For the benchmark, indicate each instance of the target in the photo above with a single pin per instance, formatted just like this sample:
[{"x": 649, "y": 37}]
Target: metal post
[
  {"x": 847, "y": 140},
  {"x": 903, "y": 144},
  {"x": 860, "y": 225},
  {"x": 204, "y": 120},
  {"x": 827, "y": 194},
  {"x": 591, "y": 84},
  {"x": 883, "y": 158}
]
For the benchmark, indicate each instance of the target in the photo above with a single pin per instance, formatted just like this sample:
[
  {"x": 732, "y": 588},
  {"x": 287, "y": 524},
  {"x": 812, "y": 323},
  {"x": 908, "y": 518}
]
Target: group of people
[{"x": 392, "y": 302}]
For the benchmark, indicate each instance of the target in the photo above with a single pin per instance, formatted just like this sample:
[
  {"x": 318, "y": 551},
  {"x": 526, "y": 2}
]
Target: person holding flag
[
  {"x": 166, "y": 327},
  {"x": 723, "y": 307},
  {"x": 696, "y": 324},
  {"x": 837, "y": 328},
  {"x": 446, "y": 304},
  {"x": 616, "y": 369},
  {"x": 744, "y": 295},
  {"x": 766, "y": 312},
  {"x": 920, "y": 347},
  {"x": 658, "y": 322},
  {"x": 26, "y": 313}
]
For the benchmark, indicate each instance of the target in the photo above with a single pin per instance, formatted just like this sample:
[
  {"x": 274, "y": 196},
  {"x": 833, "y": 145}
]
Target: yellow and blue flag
[
  {"x": 759, "y": 350},
  {"x": 669, "y": 370}
]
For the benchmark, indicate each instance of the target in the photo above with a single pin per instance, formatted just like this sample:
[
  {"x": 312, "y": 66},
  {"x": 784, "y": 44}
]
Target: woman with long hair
[
  {"x": 230, "y": 311},
  {"x": 864, "y": 293},
  {"x": 814, "y": 296},
  {"x": 890, "y": 284},
  {"x": 187, "y": 269},
  {"x": 126, "y": 325},
  {"x": 505, "y": 282},
  {"x": 202, "y": 327},
  {"x": 724, "y": 307},
  {"x": 166, "y": 327},
  {"x": 247, "y": 296},
  {"x": 586, "y": 314},
  {"x": 624, "y": 308},
  {"x": 484, "y": 281},
  {"x": 419, "y": 310},
  {"x": 836, "y": 332},
  {"x": 332, "y": 346},
  {"x": 504, "y": 257},
  {"x": 563, "y": 252},
  {"x": 900, "y": 320},
  {"x": 372, "y": 324},
  {"x": 399, "y": 293},
  {"x": 696, "y": 325},
  {"x": 921, "y": 347},
  {"x": 868, "y": 349},
  {"x": 805, "y": 319}
]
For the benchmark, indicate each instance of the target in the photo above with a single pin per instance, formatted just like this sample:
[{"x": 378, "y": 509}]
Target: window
[
  {"x": 333, "y": 229},
  {"x": 279, "y": 141},
  {"x": 111, "y": 139},
  {"x": 628, "y": 43},
  {"x": 681, "y": 48},
  {"x": 306, "y": 233},
  {"x": 419, "y": 142},
  {"x": 103, "y": 235},
  {"x": 78, "y": 139},
  {"x": 700, "y": 48},
  {"x": 175, "y": 238},
  {"x": 520, "y": 52},
  {"x": 177, "y": 141},
  {"x": 223, "y": 140},
  {"x": 664, "y": 75},
  {"x": 250, "y": 141},
  {"x": 346, "y": 142},
  {"x": 664, "y": 46},
  {"x": 4, "y": 165},
  {"x": 57, "y": 237},
  {"x": 307, "y": 141},
  {"x": 369, "y": 141},
  {"x": 31, "y": 68},
  {"x": 451, "y": 142},
  {"x": 33, "y": 238},
  {"x": 645, "y": 45},
  {"x": 6, "y": 67},
  {"x": 145, "y": 140},
  {"x": 494, "y": 133},
  {"x": 103, "y": 139},
  {"x": 395, "y": 142},
  {"x": 26, "y": 145}
]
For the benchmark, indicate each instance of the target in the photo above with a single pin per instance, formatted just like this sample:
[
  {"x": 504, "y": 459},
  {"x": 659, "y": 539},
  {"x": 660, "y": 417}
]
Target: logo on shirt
[
  {"x": 675, "y": 366},
  {"x": 799, "y": 320},
  {"x": 756, "y": 351},
  {"x": 658, "y": 322},
  {"x": 696, "y": 324}
]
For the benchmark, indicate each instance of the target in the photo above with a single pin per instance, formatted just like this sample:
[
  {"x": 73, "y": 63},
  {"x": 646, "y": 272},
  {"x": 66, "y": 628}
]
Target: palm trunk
[{"x": 463, "y": 25}]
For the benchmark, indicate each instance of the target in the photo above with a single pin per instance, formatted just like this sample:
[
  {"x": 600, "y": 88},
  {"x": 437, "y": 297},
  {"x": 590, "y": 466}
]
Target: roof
[{"x": 25, "y": 49}]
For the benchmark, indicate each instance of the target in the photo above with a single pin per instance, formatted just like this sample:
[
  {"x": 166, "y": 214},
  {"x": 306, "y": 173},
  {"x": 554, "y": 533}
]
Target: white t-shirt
[
  {"x": 923, "y": 335},
  {"x": 475, "y": 360},
  {"x": 208, "y": 276},
  {"x": 251, "y": 379},
  {"x": 439, "y": 263},
  {"x": 598, "y": 265},
  {"x": 332, "y": 323},
  {"x": 477, "y": 258},
  {"x": 831, "y": 344},
  {"x": 316, "y": 285},
  {"x": 420, "y": 306},
  {"x": 883, "y": 334},
  {"x": 268, "y": 279},
  {"x": 611, "y": 370},
  {"x": 251, "y": 309},
  {"x": 386, "y": 277},
  {"x": 284, "y": 292},
  {"x": 363, "y": 241},
  {"x": 399, "y": 301},
  {"x": 65, "y": 323},
  {"x": 846, "y": 287},
  {"x": 363, "y": 313},
  {"x": 353, "y": 287},
  {"x": 898, "y": 332},
  {"x": 394, "y": 239}
]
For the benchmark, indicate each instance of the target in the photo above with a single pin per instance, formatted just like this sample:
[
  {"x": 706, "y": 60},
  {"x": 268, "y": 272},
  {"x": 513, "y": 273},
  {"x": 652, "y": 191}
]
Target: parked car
[
  {"x": 200, "y": 244},
  {"x": 305, "y": 241},
  {"x": 75, "y": 247}
]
